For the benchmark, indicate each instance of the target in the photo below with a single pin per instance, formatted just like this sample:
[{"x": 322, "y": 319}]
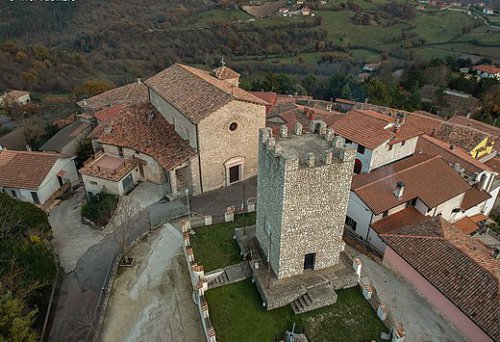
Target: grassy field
[
  {"x": 237, "y": 315},
  {"x": 220, "y": 16},
  {"x": 441, "y": 31},
  {"x": 214, "y": 246}
]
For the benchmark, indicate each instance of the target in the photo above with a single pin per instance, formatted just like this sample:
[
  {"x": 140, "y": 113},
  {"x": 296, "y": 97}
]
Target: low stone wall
[
  {"x": 199, "y": 282},
  {"x": 397, "y": 332}
]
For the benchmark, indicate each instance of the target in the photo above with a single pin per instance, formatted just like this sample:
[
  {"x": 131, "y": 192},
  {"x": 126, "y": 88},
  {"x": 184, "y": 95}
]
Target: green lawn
[
  {"x": 237, "y": 315},
  {"x": 214, "y": 247}
]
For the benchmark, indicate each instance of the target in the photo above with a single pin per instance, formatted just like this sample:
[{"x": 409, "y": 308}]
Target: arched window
[{"x": 358, "y": 166}]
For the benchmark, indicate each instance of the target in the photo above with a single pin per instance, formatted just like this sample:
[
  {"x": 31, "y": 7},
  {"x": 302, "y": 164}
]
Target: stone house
[
  {"x": 302, "y": 196},
  {"x": 215, "y": 117},
  {"x": 15, "y": 96},
  {"x": 456, "y": 273},
  {"x": 36, "y": 177},
  {"x": 68, "y": 139},
  {"x": 379, "y": 139},
  {"x": 407, "y": 190},
  {"x": 138, "y": 144}
]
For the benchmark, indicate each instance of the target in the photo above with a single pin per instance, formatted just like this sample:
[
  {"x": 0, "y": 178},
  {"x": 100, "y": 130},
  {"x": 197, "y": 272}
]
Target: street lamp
[{"x": 189, "y": 208}]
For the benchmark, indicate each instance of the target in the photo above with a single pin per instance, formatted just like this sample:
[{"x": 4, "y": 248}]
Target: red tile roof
[
  {"x": 466, "y": 225},
  {"x": 157, "y": 138},
  {"x": 456, "y": 155},
  {"x": 225, "y": 73},
  {"x": 479, "y": 218},
  {"x": 473, "y": 197},
  {"x": 479, "y": 125},
  {"x": 460, "y": 267},
  {"x": 196, "y": 93},
  {"x": 426, "y": 177},
  {"x": 133, "y": 93},
  {"x": 109, "y": 113},
  {"x": 372, "y": 129},
  {"x": 25, "y": 170},
  {"x": 494, "y": 164},
  {"x": 490, "y": 69},
  {"x": 267, "y": 96},
  {"x": 16, "y": 94},
  {"x": 405, "y": 217}
]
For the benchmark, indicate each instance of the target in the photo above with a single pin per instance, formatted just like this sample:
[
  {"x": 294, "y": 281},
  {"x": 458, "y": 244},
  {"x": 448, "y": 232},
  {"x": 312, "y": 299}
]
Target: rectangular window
[
  {"x": 413, "y": 202},
  {"x": 385, "y": 213},
  {"x": 351, "y": 223},
  {"x": 390, "y": 148},
  {"x": 361, "y": 149},
  {"x": 347, "y": 141},
  {"x": 120, "y": 151},
  {"x": 403, "y": 142},
  {"x": 14, "y": 193},
  {"x": 34, "y": 195}
]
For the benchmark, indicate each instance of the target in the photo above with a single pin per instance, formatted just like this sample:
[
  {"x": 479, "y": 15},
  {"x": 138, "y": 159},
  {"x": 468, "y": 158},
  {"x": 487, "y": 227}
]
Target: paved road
[
  {"x": 79, "y": 289},
  {"x": 420, "y": 320}
]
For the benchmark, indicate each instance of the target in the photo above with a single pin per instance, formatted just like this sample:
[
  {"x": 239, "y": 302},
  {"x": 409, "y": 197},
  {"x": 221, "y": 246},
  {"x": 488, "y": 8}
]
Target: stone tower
[{"x": 303, "y": 188}]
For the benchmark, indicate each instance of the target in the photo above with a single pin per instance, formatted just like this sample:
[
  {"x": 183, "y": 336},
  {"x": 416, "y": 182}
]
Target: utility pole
[
  {"x": 188, "y": 207},
  {"x": 243, "y": 208},
  {"x": 269, "y": 261}
]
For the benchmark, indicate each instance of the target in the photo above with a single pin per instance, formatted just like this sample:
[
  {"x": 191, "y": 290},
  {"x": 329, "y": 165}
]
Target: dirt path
[{"x": 151, "y": 301}]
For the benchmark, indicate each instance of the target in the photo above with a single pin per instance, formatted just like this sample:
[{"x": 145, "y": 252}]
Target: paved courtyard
[
  {"x": 420, "y": 320},
  {"x": 152, "y": 301}
]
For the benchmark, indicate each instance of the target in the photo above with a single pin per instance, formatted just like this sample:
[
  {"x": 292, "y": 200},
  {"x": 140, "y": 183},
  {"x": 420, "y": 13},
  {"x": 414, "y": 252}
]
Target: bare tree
[{"x": 125, "y": 214}]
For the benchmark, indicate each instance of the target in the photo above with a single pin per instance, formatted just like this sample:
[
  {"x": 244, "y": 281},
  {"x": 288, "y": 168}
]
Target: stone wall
[
  {"x": 300, "y": 207},
  {"x": 218, "y": 144}
]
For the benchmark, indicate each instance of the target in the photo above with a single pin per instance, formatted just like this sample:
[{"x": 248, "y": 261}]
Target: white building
[
  {"x": 416, "y": 187},
  {"x": 378, "y": 138},
  {"x": 36, "y": 177},
  {"x": 487, "y": 71}
]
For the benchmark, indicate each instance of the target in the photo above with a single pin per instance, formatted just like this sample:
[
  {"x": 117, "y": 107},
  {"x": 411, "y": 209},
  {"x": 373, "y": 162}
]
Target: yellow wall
[{"x": 482, "y": 149}]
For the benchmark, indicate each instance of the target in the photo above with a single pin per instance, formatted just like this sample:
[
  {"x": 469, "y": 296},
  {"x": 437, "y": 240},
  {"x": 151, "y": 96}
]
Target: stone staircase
[
  {"x": 221, "y": 280},
  {"x": 315, "y": 297},
  {"x": 181, "y": 182}
]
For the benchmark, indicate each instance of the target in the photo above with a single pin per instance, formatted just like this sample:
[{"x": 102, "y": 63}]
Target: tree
[
  {"x": 346, "y": 92},
  {"x": 125, "y": 214},
  {"x": 491, "y": 101},
  {"x": 378, "y": 93},
  {"x": 15, "y": 319}
]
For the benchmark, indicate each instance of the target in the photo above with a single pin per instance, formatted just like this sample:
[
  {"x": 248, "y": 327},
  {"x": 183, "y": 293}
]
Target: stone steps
[
  {"x": 221, "y": 280},
  {"x": 314, "y": 298}
]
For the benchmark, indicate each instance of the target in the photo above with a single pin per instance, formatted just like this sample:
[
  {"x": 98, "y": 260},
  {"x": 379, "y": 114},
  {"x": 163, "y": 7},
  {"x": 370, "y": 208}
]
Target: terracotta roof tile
[
  {"x": 109, "y": 113},
  {"x": 473, "y": 197},
  {"x": 131, "y": 128},
  {"x": 133, "y": 93},
  {"x": 405, "y": 217},
  {"x": 25, "y": 170},
  {"x": 491, "y": 69},
  {"x": 16, "y": 94},
  {"x": 267, "y": 96},
  {"x": 460, "y": 267},
  {"x": 372, "y": 129},
  {"x": 225, "y": 73},
  {"x": 195, "y": 93},
  {"x": 433, "y": 146},
  {"x": 494, "y": 164},
  {"x": 428, "y": 178},
  {"x": 466, "y": 225}
]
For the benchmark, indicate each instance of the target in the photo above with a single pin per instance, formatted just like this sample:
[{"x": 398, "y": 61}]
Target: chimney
[
  {"x": 310, "y": 159},
  {"x": 283, "y": 131},
  {"x": 28, "y": 148},
  {"x": 139, "y": 80},
  {"x": 433, "y": 133},
  {"x": 400, "y": 188},
  {"x": 150, "y": 117},
  {"x": 452, "y": 147},
  {"x": 329, "y": 134},
  {"x": 496, "y": 253},
  {"x": 298, "y": 128}
]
